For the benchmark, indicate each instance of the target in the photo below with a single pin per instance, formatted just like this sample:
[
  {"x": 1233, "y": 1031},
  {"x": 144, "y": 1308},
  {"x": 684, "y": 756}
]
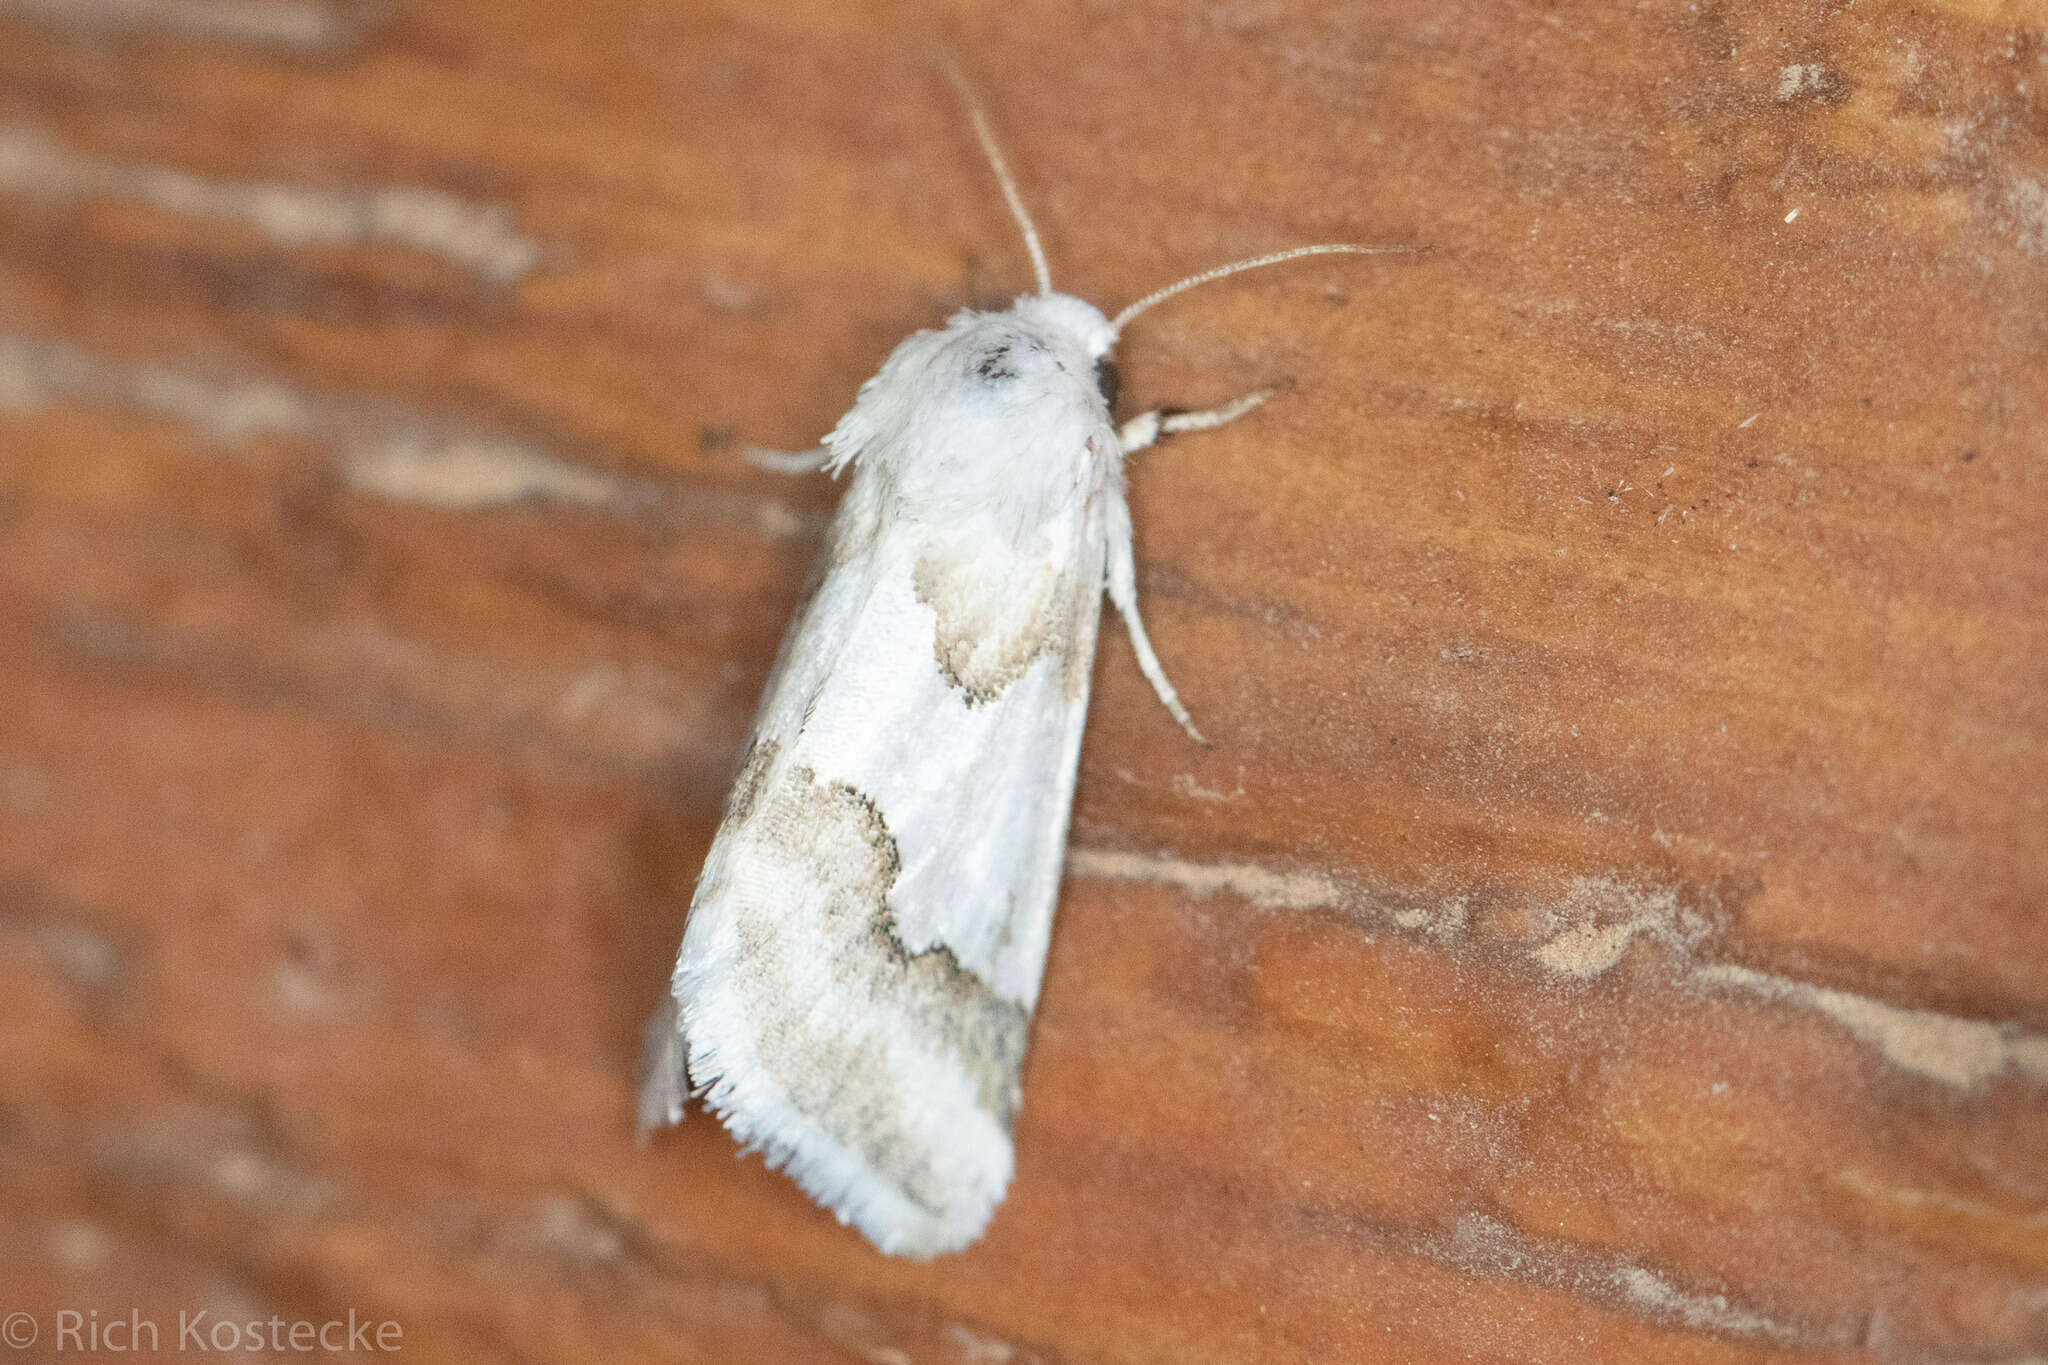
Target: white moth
[{"x": 869, "y": 932}]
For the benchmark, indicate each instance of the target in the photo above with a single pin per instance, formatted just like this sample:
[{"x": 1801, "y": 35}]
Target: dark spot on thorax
[{"x": 994, "y": 364}]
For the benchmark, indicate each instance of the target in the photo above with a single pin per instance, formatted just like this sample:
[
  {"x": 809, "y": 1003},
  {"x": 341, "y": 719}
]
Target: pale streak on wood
[
  {"x": 1483, "y": 1245},
  {"x": 481, "y": 239},
  {"x": 642, "y": 720},
  {"x": 1591, "y": 924},
  {"x": 2026, "y": 212},
  {"x": 568, "y": 1227},
  {"x": 1942, "y": 1047},
  {"x": 970, "y": 1347},
  {"x": 380, "y": 449},
  {"x": 403, "y": 460},
  {"x": 294, "y": 25},
  {"x": 71, "y": 949},
  {"x": 223, "y": 1152},
  {"x": 861, "y": 1334},
  {"x": 1263, "y": 887},
  {"x": 1702, "y": 1312},
  {"x": 467, "y": 471},
  {"x": 1590, "y": 927},
  {"x": 35, "y": 374},
  {"x": 2026, "y": 1231}
]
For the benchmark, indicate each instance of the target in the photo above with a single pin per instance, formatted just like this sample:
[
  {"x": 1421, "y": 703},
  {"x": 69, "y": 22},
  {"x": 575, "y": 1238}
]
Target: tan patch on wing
[
  {"x": 920, "y": 1009},
  {"x": 989, "y": 632},
  {"x": 1084, "y": 613},
  {"x": 858, "y": 523},
  {"x": 746, "y": 788}
]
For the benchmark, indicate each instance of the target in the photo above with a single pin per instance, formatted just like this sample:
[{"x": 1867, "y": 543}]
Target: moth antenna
[
  {"x": 1001, "y": 167},
  {"x": 1159, "y": 296}
]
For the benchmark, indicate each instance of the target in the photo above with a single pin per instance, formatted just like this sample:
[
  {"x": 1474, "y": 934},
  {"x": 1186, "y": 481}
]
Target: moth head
[
  {"x": 1078, "y": 327},
  {"x": 1076, "y": 322}
]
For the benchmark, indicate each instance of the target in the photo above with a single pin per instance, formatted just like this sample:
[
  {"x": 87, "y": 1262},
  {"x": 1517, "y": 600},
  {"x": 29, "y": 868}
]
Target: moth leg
[
  {"x": 1141, "y": 431},
  {"x": 787, "y": 461},
  {"x": 664, "y": 1081},
  {"x": 1123, "y": 591},
  {"x": 1147, "y": 427}
]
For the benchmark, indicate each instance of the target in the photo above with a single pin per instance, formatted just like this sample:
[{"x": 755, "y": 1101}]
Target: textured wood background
[{"x": 1608, "y": 927}]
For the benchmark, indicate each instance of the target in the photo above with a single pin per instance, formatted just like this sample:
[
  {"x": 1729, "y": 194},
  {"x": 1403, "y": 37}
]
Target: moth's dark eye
[
  {"x": 1105, "y": 379},
  {"x": 994, "y": 364}
]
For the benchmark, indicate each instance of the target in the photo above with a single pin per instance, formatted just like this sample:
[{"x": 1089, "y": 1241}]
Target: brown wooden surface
[{"x": 1608, "y": 925}]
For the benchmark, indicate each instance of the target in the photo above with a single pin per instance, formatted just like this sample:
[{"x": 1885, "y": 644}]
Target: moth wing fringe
[{"x": 742, "y": 1095}]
